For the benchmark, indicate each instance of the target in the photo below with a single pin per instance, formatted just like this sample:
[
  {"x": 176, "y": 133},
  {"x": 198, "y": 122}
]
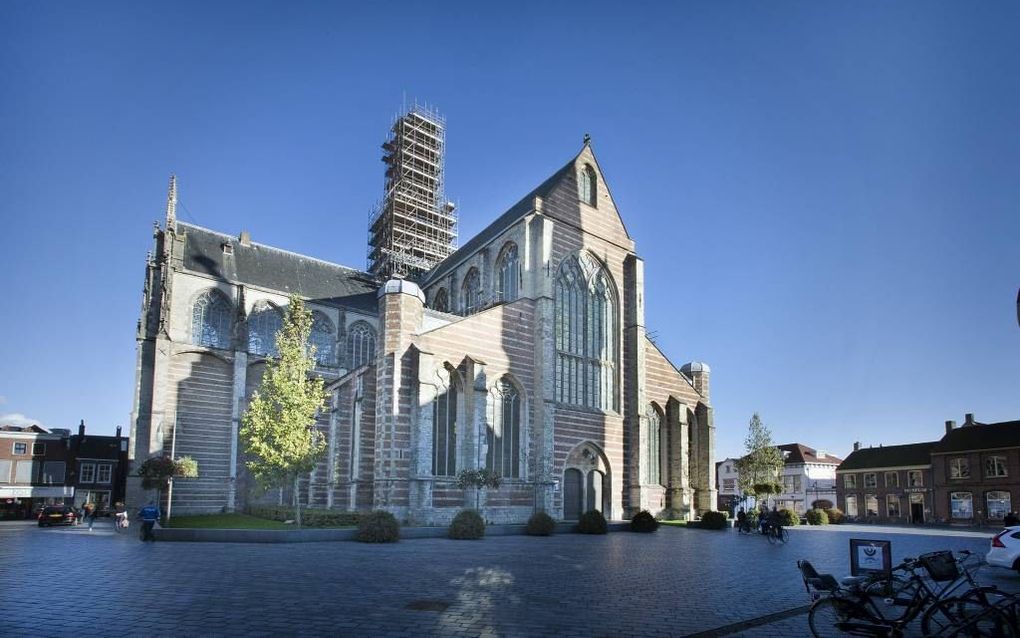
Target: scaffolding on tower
[{"x": 414, "y": 227}]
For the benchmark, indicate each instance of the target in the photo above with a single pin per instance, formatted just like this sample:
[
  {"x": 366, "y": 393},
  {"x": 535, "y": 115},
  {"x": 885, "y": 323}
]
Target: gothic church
[{"x": 523, "y": 352}]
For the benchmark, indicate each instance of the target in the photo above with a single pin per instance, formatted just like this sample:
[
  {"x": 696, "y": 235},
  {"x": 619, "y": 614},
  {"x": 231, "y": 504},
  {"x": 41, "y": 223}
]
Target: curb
[{"x": 191, "y": 535}]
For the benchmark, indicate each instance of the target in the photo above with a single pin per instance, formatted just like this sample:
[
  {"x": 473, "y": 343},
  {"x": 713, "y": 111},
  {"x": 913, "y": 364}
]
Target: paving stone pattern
[{"x": 65, "y": 581}]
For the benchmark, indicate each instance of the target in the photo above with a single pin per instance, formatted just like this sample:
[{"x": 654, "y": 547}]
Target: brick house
[
  {"x": 523, "y": 352},
  {"x": 100, "y": 468},
  {"x": 891, "y": 483},
  {"x": 976, "y": 471},
  {"x": 34, "y": 463}
]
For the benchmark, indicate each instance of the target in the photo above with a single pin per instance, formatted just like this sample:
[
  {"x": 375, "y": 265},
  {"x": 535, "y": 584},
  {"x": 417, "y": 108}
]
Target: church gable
[{"x": 581, "y": 199}]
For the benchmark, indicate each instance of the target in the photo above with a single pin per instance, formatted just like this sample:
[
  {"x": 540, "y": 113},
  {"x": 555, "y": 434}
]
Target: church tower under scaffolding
[{"x": 414, "y": 227}]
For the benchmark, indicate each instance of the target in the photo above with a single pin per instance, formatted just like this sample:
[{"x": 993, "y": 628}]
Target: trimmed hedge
[
  {"x": 540, "y": 524},
  {"x": 644, "y": 522},
  {"x": 378, "y": 527},
  {"x": 788, "y": 517},
  {"x": 467, "y": 525},
  {"x": 817, "y": 517},
  {"x": 835, "y": 515},
  {"x": 592, "y": 522},
  {"x": 713, "y": 520},
  {"x": 309, "y": 517}
]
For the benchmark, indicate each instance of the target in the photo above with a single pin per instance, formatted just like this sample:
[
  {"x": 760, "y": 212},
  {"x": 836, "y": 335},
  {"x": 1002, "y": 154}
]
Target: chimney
[
  {"x": 81, "y": 428},
  {"x": 245, "y": 238},
  {"x": 857, "y": 445},
  {"x": 949, "y": 426},
  {"x": 968, "y": 419},
  {"x": 118, "y": 431}
]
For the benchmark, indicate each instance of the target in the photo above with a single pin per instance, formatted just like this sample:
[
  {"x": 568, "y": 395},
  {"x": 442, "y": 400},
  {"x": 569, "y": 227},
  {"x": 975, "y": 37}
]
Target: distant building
[
  {"x": 808, "y": 475},
  {"x": 976, "y": 470},
  {"x": 33, "y": 469},
  {"x": 726, "y": 476},
  {"x": 891, "y": 483},
  {"x": 100, "y": 468}
]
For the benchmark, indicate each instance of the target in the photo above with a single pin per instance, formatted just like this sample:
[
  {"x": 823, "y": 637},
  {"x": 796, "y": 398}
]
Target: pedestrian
[
  {"x": 90, "y": 514},
  {"x": 1011, "y": 519},
  {"x": 149, "y": 515}
]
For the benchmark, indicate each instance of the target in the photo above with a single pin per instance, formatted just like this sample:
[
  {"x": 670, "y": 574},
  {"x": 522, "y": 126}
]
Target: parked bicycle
[
  {"x": 773, "y": 532},
  {"x": 885, "y": 606}
]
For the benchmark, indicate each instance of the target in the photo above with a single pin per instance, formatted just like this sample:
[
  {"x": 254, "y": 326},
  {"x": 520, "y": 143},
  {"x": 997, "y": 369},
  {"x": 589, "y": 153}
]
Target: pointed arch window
[
  {"x": 263, "y": 324},
  {"x": 472, "y": 292},
  {"x": 360, "y": 345},
  {"x": 503, "y": 436},
  {"x": 441, "y": 301},
  {"x": 584, "y": 325},
  {"x": 587, "y": 185},
  {"x": 323, "y": 338},
  {"x": 212, "y": 321},
  {"x": 653, "y": 460},
  {"x": 444, "y": 429},
  {"x": 508, "y": 273}
]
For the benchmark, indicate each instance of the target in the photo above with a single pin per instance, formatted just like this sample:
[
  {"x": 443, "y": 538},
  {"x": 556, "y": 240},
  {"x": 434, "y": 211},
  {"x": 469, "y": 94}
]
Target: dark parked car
[{"x": 58, "y": 515}]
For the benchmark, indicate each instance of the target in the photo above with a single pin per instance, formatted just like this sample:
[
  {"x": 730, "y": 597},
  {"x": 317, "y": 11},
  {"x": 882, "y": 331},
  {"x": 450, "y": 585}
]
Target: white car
[{"x": 1005, "y": 551}]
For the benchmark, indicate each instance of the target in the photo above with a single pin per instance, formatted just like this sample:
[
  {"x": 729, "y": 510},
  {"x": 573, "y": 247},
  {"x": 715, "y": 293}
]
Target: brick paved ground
[{"x": 64, "y": 581}]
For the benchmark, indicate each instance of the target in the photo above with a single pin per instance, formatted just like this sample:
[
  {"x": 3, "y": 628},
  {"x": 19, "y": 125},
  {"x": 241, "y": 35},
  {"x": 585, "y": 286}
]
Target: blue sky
[{"x": 825, "y": 193}]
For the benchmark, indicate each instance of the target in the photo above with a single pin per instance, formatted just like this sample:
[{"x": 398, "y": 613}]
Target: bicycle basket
[{"x": 941, "y": 566}]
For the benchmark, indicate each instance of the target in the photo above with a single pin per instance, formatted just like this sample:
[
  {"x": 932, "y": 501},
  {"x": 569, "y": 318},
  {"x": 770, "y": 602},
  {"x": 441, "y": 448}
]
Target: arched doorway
[
  {"x": 587, "y": 482},
  {"x": 572, "y": 494}
]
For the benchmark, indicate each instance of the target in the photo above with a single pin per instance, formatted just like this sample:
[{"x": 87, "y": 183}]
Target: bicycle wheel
[
  {"x": 782, "y": 535},
  {"x": 771, "y": 535},
  {"x": 892, "y": 597},
  {"x": 825, "y": 617},
  {"x": 966, "y": 617}
]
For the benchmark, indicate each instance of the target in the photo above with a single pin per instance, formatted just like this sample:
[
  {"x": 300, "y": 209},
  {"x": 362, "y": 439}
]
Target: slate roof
[
  {"x": 889, "y": 456},
  {"x": 504, "y": 221},
  {"x": 97, "y": 447},
  {"x": 800, "y": 453},
  {"x": 276, "y": 269},
  {"x": 980, "y": 436}
]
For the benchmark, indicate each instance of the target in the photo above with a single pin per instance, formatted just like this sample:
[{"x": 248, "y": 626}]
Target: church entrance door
[{"x": 571, "y": 494}]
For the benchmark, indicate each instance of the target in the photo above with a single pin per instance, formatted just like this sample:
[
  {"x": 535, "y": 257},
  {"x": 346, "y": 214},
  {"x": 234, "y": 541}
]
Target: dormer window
[{"x": 587, "y": 185}]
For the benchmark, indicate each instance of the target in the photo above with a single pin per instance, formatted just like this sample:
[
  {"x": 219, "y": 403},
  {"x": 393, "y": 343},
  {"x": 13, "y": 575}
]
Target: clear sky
[{"x": 825, "y": 193}]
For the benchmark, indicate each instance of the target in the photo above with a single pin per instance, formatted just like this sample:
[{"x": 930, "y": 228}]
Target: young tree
[
  {"x": 278, "y": 428},
  {"x": 760, "y": 467}
]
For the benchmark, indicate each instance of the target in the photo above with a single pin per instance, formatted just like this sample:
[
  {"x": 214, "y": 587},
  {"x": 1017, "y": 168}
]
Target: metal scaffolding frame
[{"x": 413, "y": 228}]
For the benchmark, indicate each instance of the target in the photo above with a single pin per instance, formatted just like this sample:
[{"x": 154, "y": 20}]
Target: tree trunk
[{"x": 297, "y": 500}]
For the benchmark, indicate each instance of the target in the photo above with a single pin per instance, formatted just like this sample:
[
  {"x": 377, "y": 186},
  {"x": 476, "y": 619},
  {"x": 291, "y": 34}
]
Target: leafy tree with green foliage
[
  {"x": 278, "y": 428},
  {"x": 157, "y": 472},
  {"x": 762, "y": 464}
]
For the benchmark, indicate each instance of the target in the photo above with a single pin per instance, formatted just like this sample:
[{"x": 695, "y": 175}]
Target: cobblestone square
[{"x": 67, "y": 581}]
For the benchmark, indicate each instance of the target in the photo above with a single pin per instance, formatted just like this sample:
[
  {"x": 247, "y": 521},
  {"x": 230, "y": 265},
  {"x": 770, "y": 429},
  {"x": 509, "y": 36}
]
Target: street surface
[{"x": 676, "y": 582}]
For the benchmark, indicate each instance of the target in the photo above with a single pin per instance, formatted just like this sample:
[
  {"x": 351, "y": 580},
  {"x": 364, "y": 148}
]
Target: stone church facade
[{"x": 524, "y": 353}]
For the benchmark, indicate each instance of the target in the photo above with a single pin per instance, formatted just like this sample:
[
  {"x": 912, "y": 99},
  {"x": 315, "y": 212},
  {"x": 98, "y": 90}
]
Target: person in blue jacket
[{"x": 149, "y": 515}]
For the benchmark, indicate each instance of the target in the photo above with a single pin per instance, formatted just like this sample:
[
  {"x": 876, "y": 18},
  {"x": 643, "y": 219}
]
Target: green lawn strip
[
  {"x": 674, "y": 523},
  {"x": 225, "y": 521}
]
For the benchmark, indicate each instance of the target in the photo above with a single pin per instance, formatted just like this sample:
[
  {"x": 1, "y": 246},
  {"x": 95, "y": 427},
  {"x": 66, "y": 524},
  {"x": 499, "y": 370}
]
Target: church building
[{"x": 523, "y": 352}]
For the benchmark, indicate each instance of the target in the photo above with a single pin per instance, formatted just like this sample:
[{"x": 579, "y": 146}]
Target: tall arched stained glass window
[
  {"x": 444, "y": 429},
  {"x": 263, "y": 324},
  {"x": 584, "y": 324},
  {"x": 360, "y": 345},
  {"x": 472, "y": 292},
  {"x": 441, "y": 302},
  {"x": 212, "y": 320},
  {"x": 508, "y": 272},
  {"x": 587, "y": 185},
  {"x": 503, "y": 436},
  {"x": 323, "y": 337},
  {"x": 653, "y": 460}
]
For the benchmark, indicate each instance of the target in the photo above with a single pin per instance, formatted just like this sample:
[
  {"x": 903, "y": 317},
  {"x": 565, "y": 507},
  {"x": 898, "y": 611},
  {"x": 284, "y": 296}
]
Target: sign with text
[{"x": 870, "y": 557}]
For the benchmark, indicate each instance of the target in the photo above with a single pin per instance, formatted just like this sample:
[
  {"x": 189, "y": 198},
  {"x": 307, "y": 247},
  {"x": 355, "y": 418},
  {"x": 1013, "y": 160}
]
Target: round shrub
[
  {"x": 788, "y": 517},
  {"x": 835, "y": 515},
  {"x": 467, "y": 525},
  {"x": 714, "y": 520},
  {"x": 378, "y": 527},
  {"x": 540, "y": 524},
  {"x": 817, "y": 517},
  {"x": 644, "y": 522},
  {"x": 592, "y": 522},
  {"x": 821, "y": 504}
]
